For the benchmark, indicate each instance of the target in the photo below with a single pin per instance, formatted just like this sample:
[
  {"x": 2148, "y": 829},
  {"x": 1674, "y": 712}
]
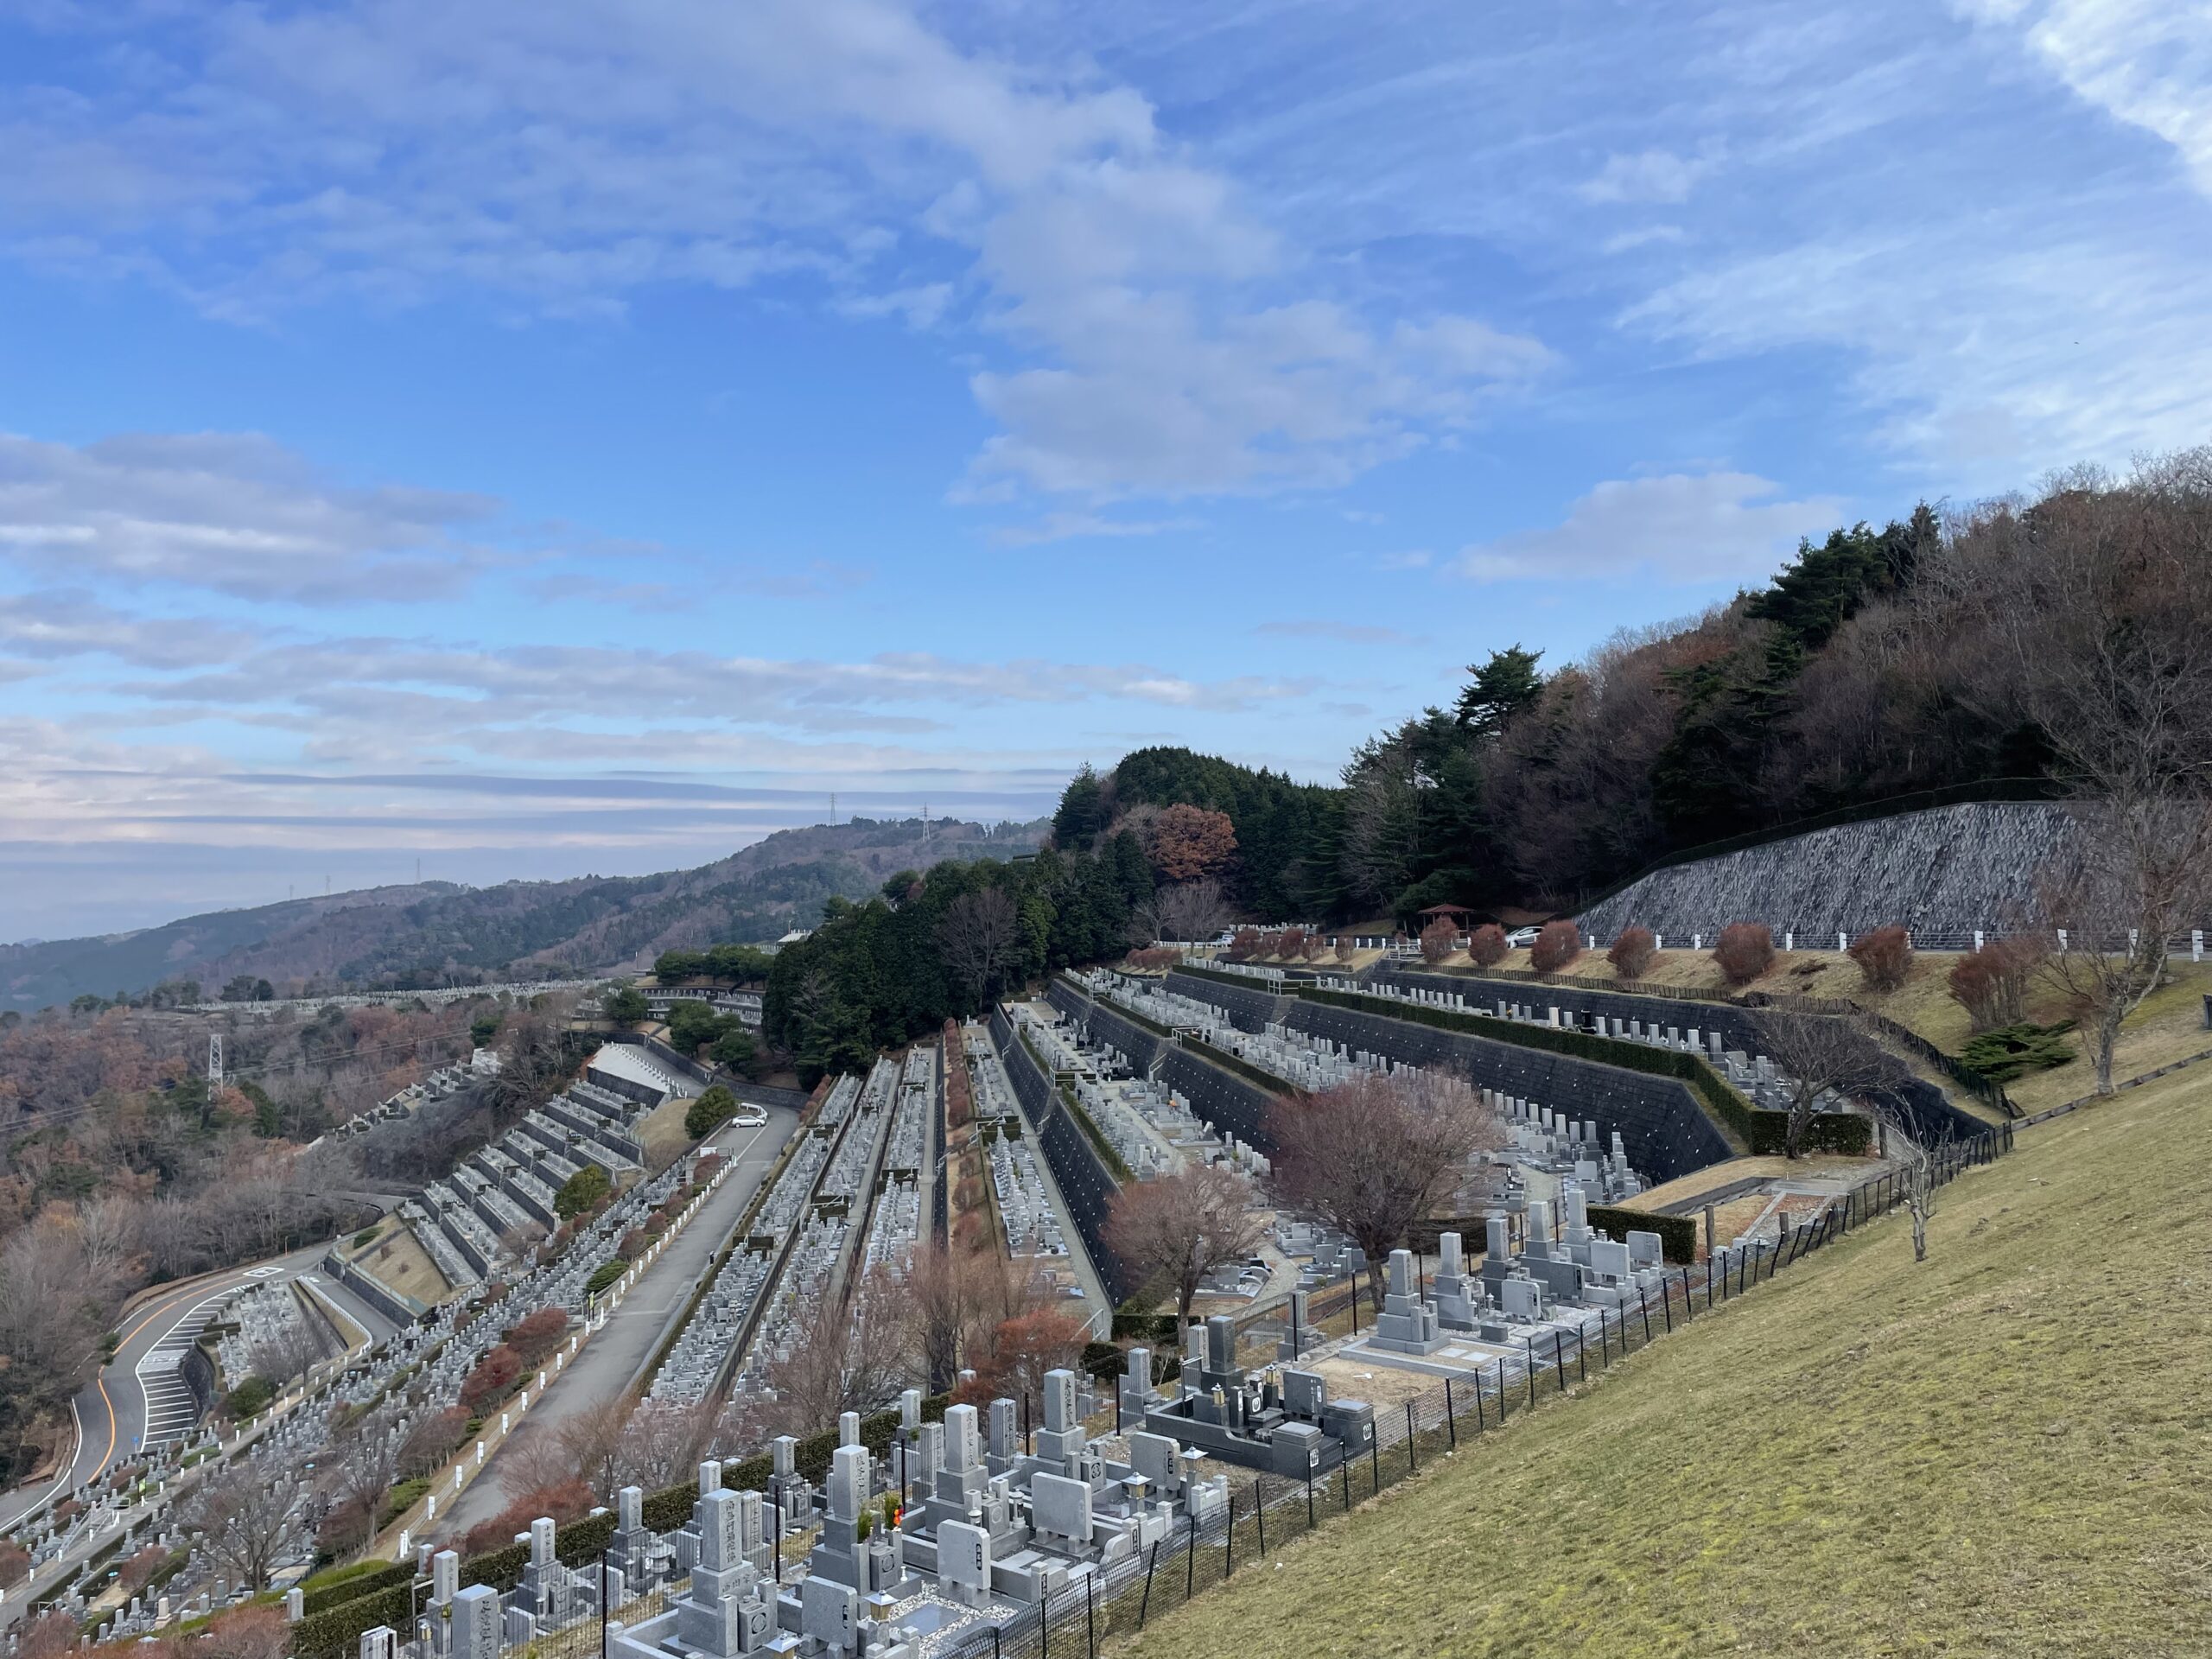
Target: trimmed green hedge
[
  {"x": 1837, "y": 1132},
  {"x": 1121, "y": 1171},
  {"x": 1252, "y": 1074},
  {"x": 1677, "y": 1233},
  {"x": 372, "y": 1577},
  {"x": 1241, "y": 982}
]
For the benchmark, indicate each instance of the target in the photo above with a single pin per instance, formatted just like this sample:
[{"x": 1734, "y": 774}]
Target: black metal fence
[{"x": 1266, "y": 1512}]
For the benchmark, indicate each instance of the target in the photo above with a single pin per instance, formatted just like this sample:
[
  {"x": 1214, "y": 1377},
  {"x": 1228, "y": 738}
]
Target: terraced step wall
[
  {"x": 1247, "y": 1010},
  {"x": 1087, "y": 1187},
  {"x": 1928, "y": 1113},
  {"x": 1663, "y": 1128},
  {"x": 1231, "y": 1103}
]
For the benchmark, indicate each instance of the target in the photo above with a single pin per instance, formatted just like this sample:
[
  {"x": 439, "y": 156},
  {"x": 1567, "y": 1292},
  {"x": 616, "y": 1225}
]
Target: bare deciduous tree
[
  {"x": 1821, "y": 1056},
  {"x": 1187, "y": 912},
  {"x": 977, "y": 937},
  {"x": 945, "y": 1298},
  {"x": 249, "y": 1520},
  {"x": 366, "y": 1464},
  {"x": 290, "y": 1351},
  {"x": 2142, "y": 873},
  {"x": 1373, "y": 1156},
  {"x": 661, "y": 1443},
  {"x": 1178, "y": 1228},
  {"x": 855, "y": 1362}
]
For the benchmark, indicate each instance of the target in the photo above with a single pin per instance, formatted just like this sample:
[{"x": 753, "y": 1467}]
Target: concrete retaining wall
[
  {"x": 1943, "y": 873},
  {"x": 1665, "y": 1130}
]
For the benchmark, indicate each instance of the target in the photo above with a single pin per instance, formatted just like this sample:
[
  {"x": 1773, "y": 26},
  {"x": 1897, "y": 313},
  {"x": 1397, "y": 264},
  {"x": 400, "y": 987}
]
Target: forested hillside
[
  {"x": 439, "y": 934},
  {"x": 120, "y": 1166},
  {"x": 2014, "y": 648},
  {"x": 929, "y": 946}
]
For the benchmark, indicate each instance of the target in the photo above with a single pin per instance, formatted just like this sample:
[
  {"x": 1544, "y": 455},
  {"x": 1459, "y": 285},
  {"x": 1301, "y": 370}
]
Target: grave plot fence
[{"x": 1266, "y": 1512}]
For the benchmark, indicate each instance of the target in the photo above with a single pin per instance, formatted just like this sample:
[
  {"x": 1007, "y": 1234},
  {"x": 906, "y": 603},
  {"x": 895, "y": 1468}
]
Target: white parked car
[
  {"x": 750, "y": 1116},
  {"x": 1522, "y": 937}
]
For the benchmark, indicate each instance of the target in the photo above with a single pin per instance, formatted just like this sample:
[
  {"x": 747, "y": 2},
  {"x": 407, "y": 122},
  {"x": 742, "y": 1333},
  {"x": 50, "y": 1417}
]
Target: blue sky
[{"x": 537, "y": 436}]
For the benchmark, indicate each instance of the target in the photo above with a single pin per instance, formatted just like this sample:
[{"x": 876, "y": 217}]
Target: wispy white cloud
[
  {"x": 2103, "y": 349},
  {"x": 2145, "y": 62},
  {"x": 1679, "y": 528},
  {"x": 233, "y": 512},
  {"x": 1646, "y": 176},
  {"x": 1152, "y": 333},
  {"x": 1647, "y": 236},
  {"x": 1084, "y": 526}
]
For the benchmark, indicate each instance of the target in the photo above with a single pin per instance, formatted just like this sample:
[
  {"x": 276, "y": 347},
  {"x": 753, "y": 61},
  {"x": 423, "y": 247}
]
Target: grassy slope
[{"x": 2003, "y": 1451}]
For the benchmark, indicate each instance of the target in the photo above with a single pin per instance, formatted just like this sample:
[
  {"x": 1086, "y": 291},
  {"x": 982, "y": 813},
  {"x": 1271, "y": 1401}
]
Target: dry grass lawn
[
  {"x": 1814, "y": 1166},
  {"x": 398, "y": 1259},
  {"x": 662, "y": 1131},
  {"x": 2005, "y": 1451}
]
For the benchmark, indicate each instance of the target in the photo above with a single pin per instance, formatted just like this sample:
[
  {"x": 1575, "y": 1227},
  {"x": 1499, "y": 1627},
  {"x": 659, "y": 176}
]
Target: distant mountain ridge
[{"x": 437, "y": 933}]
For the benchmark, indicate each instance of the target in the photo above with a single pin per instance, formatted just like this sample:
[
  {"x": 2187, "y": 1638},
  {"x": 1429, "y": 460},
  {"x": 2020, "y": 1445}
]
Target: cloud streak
[
  {"x": 1681, "y": 528},
  {"x": 1151, "y": 335}
]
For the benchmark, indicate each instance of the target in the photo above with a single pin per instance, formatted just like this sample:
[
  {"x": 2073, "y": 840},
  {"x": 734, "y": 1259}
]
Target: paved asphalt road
[
  {"x": 613, "y": 1360},
  {"x": 124, "y": 1407}
]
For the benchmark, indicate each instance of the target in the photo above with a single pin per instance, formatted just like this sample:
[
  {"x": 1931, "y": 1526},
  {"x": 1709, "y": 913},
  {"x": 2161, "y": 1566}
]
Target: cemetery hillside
[
  {"x": 1237, "y": 832},
  {"x": 2000, "y": 1449},
  {"x": 1693, "y": 1150}
]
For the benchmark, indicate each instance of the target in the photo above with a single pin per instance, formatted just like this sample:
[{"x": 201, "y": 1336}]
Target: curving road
[{"x": 138, "y": 1399}]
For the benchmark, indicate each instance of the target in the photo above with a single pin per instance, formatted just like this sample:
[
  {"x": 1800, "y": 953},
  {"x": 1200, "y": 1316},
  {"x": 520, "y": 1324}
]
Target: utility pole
[
  {"x": 214, "y": 1058},
  {"x": 833, "y": 806}
]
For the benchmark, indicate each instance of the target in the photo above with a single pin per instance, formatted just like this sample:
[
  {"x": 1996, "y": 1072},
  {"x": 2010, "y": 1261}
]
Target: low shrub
[
  {"x": 2010, "y": 1051},
  {"x": 1487, "y": 945},
  {"x": 1634, "y": 949},
  {"x": 404, "y": 1495},
  {"x": 250, "y": 1396},
  {"x": 1884, "y": 957},
  {"x": 535, "y": 1336},
  {"x": 1559, "y": 943},
  {"x": 1991, "y": 983},
  {"x": 496, "y": 1377},
  {"x": 1437, "y": 940},
  {"x": 1745, "y": 950},
  {"x": 603, "y": 1275}
]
